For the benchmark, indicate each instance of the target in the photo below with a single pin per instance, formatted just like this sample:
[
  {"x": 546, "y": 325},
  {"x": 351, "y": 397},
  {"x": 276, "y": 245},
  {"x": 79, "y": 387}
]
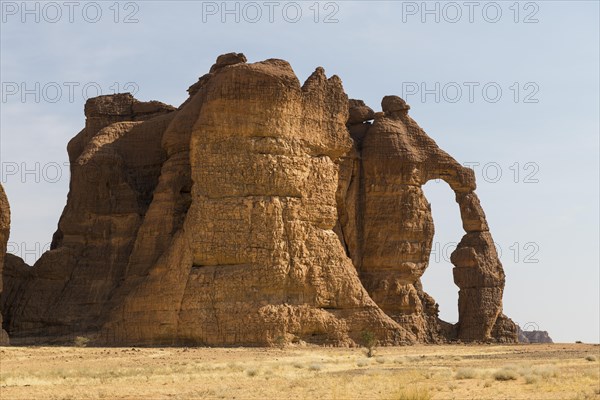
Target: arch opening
[{"x": 438, "y": 279}]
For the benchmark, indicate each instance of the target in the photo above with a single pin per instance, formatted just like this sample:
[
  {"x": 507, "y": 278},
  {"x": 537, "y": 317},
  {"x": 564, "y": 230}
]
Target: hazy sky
[{"x": 509, "y": 88}]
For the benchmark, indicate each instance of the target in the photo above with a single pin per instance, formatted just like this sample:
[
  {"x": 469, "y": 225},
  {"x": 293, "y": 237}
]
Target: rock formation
[
  {"x": 259, "y": 211},
  {"x": 390, "y": 232},
  {"x": 4, "y": 231},
  {"x": 533, "y": 336}
]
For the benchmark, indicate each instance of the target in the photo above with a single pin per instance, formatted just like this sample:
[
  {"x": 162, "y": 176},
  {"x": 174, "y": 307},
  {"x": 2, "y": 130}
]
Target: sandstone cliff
[{"x": 261, "y": 210}]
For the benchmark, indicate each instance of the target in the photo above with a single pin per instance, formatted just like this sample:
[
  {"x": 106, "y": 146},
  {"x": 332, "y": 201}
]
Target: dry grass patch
[
  {"x": 466, "y": 373},
  {"x": 362, "y": 363},
  {"x": 410, "y": 372},
  {"x": 506, "y": 374},
  {"x": 315, "y": 367},
  {"x": 412, "y": 394}
]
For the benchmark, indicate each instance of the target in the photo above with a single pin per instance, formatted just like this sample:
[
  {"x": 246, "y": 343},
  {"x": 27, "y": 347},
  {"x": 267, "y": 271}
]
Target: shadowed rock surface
[{"x": 260, "y": 211}]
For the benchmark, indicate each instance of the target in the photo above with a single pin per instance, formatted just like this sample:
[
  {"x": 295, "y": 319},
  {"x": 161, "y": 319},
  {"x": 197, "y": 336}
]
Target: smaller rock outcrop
[
  {"x": 359, "y": 112},
  {"x": 533, "y": 336},
  {"x": 395, "y": 107},
  {"x": 225, "y": 60}
]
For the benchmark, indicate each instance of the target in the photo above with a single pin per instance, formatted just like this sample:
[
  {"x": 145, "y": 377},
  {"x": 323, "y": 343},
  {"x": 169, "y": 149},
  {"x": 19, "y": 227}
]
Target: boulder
[
  {"x": 394, "y": 106},
  {"x": 359, "y": 112}
]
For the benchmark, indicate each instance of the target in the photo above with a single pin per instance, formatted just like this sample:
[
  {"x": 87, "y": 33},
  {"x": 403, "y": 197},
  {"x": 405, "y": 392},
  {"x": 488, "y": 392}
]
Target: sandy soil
[{"x": 558, "y": 371}]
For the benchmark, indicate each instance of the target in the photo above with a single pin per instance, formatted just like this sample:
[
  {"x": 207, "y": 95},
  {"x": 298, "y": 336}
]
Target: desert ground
[{"x": 553, "y": 371}]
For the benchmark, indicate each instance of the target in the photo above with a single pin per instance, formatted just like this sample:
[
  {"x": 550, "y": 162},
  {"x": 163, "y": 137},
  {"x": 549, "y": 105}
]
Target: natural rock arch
[
  {"x": 387, "y": 225},
  {"x": 437, "y": 279}
]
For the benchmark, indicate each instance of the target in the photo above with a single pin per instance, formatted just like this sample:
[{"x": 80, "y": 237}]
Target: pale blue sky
[{"x": 377, "y": 48}]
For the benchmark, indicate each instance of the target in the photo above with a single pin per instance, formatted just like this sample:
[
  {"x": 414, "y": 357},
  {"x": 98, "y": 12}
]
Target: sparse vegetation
[
  {"x": 362, "y": 363},
  {"x": 466, "y": 373},
  {"x": 233, "y": 366},
  {"x": 315, "y": 367},
  {"x": 412, "y": 394},
  {"x": 280, "y": 342},
  {"x": 545, "y": 371},
  {"x": 506, "y": 374},
  {"x": 530, "y": 379},
  {"x": 427, "y": 374},
  {"x": 482, "y": 372},
  {"x": 370, "y": 342},
  {"x": 81, "y": 341},
  {"x": 591, "y": 357}
]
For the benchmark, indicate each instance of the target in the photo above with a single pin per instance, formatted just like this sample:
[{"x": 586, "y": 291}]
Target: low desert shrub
[
  {"x": 362, "y": 363},
  {"x": 369, "y": 341},
  {"x": 531, "y": 379},
  {"x": 506, "y": 374},
  {"x": 466, "y": 373},
  {"x": 545, "y": 372},
  {"x": 280, "y": 342},
  {"x": 81, "y": 341}
]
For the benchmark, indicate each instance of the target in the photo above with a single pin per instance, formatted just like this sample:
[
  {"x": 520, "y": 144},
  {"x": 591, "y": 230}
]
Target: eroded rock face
[
  {"x": 386, "y": 224},
  {"x": 115, "y": 164},
  {"x": 253, "y": 215},
  {"x": 4, "y": 232},
  {"x": 256, "y": 260}
]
